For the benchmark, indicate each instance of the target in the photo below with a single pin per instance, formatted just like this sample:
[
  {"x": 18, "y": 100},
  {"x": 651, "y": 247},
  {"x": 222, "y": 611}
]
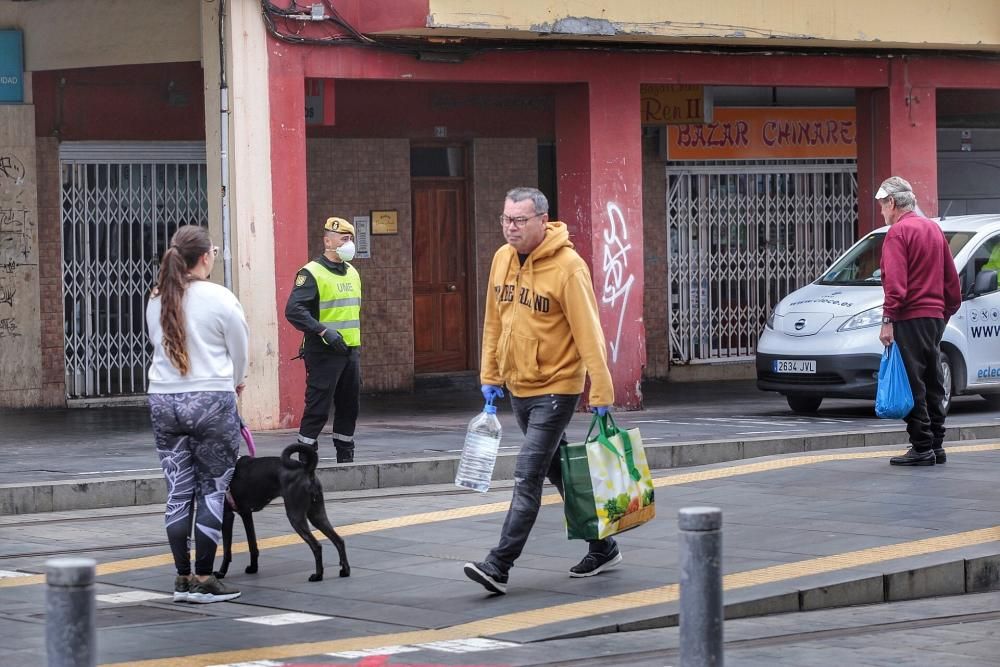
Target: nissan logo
[{"x": 800, "y": 325}]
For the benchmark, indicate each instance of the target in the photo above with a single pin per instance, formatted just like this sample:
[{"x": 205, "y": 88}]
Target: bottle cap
[{"x": 490, "y": 409}]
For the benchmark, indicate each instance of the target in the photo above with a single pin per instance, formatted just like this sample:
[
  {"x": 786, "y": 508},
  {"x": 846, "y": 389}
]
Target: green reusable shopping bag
[{"x": 606, "y": 482}]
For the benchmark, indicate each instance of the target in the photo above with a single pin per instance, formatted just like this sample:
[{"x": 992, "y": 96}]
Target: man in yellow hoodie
[{"x": 541, "y": 336}]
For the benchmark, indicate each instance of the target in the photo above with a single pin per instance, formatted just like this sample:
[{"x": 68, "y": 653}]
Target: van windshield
[{"x": 860, "y": 266}]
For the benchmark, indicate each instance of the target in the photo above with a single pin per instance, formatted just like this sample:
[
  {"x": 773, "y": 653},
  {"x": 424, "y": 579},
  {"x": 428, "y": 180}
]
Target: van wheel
[
  {"x": 947, "y": 381},
  {"x": 804, "y": 404}
]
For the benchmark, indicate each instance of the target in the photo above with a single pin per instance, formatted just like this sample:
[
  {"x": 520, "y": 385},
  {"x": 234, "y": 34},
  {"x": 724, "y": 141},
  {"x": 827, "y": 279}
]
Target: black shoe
[
  {"x": 914, "y": 458},
  {"x": 488, "y": 575},
  {"x": 345, "y": 457},
  {"x": 596, "y": 562},
  {"x": 939, "y": 455}
]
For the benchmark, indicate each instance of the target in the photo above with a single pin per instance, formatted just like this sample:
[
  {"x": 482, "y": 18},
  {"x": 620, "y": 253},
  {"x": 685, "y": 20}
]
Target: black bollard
[
  {"x": 701, "y": 587},
  {"x": 70, "y": 628}
]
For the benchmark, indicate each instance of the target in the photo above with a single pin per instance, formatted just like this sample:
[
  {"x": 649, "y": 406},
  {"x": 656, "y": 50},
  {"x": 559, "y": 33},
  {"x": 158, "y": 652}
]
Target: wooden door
[{"x": 440, "y": 276}]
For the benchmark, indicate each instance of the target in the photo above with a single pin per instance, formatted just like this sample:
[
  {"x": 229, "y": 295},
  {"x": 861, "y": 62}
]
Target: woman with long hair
[{"x": 199, "y": 337}]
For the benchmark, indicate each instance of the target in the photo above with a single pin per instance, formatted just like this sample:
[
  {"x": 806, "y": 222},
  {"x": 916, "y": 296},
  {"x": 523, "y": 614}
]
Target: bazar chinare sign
[{"x": 762, "y": 133}]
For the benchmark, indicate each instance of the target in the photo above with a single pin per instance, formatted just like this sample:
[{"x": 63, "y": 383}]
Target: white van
[{"x": 822, "y": 340}]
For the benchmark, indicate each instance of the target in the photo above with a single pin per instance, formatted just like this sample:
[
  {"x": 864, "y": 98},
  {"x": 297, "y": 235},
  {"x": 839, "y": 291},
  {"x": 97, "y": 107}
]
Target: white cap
[{"x": 893, "y": 185}]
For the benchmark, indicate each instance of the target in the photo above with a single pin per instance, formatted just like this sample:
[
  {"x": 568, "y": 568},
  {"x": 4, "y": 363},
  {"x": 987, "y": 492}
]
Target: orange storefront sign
[{"x": 762, "y": 133}]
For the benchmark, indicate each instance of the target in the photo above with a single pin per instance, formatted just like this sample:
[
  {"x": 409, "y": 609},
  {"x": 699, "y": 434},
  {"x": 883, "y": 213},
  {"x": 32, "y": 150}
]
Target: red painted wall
[
  {"x": 162, "y": 102},
  {"x": 291, "y": 235},
  {"x": 596, "y": 123},
  {"x": 467, "y": 110},
  {"x": 872, "y": 155},
  {"x": 368, "y": 16},
  {"x": 599, "y": 156},
  {"x": 897, "y": 136}
]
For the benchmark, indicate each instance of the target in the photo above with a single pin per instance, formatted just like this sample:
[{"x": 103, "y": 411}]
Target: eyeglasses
[{"x": 520, "y": 221}]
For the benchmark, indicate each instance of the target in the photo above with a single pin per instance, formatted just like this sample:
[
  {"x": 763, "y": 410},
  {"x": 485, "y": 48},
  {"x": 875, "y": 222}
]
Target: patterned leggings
[{"x": 197, "y": 439}]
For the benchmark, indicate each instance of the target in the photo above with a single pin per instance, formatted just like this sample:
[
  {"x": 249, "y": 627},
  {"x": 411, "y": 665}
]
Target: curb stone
[
  {"x": 954, "y": 577},
  {"x": 68, "y": 495}
]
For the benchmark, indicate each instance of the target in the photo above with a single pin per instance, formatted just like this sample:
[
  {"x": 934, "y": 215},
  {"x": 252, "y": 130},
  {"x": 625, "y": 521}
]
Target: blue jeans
[{"x": 543, "y": 420}]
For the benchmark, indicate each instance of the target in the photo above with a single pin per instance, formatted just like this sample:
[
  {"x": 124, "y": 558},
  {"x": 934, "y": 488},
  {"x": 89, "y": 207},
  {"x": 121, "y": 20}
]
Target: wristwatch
[{"x": 886, "y": 320}]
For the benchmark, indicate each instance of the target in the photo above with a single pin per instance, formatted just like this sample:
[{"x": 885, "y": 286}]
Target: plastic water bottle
[{"x": 479, "y": 454}]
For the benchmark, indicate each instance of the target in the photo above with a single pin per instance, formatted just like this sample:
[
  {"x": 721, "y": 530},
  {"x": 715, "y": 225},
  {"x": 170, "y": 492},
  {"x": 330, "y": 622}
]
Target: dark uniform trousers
[{"x": 332, "y": 378}]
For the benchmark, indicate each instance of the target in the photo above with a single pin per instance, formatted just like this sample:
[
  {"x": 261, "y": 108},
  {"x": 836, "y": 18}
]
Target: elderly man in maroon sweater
[{"x": 921, "y": 293}]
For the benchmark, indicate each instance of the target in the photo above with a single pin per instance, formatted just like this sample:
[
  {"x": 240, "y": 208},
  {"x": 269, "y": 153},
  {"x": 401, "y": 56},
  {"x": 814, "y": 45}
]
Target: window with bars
[
  {"x": 118, "y": 214},
  {"x": 741, "y": 236}
]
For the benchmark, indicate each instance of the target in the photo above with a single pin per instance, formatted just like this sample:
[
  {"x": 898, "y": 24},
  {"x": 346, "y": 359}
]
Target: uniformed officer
[{"x": 325, "y": 305}]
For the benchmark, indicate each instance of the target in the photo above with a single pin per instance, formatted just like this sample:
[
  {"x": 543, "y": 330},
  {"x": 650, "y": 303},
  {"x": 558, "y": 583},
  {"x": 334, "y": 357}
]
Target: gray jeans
[{"x": 543, "y": 420}]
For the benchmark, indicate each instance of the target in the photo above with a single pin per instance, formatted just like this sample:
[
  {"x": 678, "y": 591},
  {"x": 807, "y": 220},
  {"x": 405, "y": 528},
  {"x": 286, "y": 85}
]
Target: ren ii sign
[{"x": 11, "y": 67}]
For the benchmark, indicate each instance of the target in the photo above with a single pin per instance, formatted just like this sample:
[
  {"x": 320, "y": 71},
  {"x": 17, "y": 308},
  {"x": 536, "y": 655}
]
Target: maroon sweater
[{"x": 918, "y": 272}]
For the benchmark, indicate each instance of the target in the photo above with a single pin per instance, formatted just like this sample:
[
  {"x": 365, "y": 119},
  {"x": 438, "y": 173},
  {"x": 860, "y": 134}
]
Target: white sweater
[{"x": 217, "y": 335}]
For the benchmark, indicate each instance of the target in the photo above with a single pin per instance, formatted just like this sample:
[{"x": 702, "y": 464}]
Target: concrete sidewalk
[
  {"x": 800, "y": 533},
  {"x": 56, "y": 460},
  {"x": 958, "y": 631}
]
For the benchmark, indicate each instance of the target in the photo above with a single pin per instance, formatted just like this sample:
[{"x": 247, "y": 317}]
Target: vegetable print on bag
[{"x": 607, "y": 484}]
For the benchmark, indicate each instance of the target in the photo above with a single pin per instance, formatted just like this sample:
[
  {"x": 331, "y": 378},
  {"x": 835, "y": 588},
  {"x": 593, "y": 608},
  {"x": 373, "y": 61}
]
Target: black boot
[
  {"x": 345, "y": 451},
  {"x": 914, "y": 458},
  {"x": 314, "y": 444}
]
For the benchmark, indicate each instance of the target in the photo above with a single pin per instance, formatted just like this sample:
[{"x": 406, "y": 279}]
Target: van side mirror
[{"x": 986, "y": 281}]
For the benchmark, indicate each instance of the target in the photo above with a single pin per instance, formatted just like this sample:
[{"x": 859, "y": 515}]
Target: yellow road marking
[
  {"x": 131, "y": 564},
  {"x": 533, "y": 618}
]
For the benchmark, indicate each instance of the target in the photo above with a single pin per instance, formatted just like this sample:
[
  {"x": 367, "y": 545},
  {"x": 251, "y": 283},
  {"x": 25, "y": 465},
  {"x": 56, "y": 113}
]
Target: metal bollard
[
  {"x": 70, "y": 628},
  {"x": 701, "y": 587}
]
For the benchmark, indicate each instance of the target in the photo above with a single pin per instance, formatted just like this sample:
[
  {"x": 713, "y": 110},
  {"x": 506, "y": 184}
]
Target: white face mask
[{"x": 346, "y": 251}]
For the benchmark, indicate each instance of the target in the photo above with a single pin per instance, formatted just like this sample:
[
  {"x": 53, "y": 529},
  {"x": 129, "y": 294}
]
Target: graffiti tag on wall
[
  {"x": 11, "y": 168},
  {"x": 8, "y": 327},
  {"x": 15, "y": 234},
  {"x": 618, "y": 279},
  {"x": 17, "y": 243},
  {"x": 7, "y": 293},
  {"x": 17, "y": 222}
]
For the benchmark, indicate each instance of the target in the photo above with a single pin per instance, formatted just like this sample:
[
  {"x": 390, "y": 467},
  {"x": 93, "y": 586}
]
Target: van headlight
[
  {"x": 770, "y": 319},
  {"x": 867, "y": 318}
]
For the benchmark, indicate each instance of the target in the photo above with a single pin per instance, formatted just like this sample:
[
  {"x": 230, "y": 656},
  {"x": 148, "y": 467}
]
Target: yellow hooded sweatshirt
[{"x": 542, "y": 332}]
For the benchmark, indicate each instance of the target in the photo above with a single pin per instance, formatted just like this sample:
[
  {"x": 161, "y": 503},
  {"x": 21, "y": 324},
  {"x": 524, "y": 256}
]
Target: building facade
[{"x": 705, "y": 164}]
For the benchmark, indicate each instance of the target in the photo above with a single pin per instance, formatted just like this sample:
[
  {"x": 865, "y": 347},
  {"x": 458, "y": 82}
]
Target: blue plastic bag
[{"x": 894, "y": 399}]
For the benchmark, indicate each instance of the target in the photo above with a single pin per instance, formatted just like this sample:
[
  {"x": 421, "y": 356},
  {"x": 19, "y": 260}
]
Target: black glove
[{"x": 335, "y": 341}]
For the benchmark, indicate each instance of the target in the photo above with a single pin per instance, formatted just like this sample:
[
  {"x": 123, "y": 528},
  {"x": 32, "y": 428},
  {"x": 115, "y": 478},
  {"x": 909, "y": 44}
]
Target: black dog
[{"x": 257, "y": 482}]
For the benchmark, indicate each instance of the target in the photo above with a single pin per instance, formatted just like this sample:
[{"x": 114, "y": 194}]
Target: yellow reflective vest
[{"x": 339, "y": 301}]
